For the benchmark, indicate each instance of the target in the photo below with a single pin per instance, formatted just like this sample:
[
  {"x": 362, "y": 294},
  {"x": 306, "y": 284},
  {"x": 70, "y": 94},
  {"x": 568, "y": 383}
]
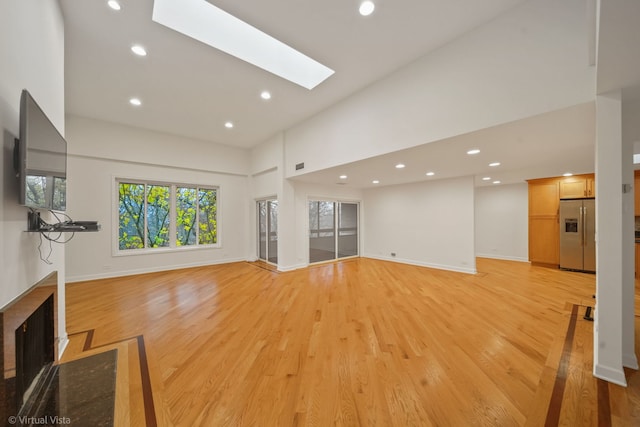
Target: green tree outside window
[{"x": 145, "y": 215}]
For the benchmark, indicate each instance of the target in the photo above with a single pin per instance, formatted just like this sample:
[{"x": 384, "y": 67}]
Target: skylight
[{"x": 205, "y": 22}]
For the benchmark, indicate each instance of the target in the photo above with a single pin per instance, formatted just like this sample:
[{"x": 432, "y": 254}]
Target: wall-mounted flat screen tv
[{"x": 41, "y": 159}]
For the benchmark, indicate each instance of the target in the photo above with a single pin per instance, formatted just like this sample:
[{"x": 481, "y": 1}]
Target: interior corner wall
[
  {"x": 92, "y": 195},
  {"x": 495, "y": 74},
  {"x": 267, "y": 180},
  {"x": 31, "y": 57},
  {"x": 502, "y": 221},
  {"x": 436, "y": 231}
]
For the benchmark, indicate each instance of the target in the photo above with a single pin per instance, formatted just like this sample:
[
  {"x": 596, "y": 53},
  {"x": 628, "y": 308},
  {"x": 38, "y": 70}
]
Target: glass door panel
[
  {"x": 322, "y": 236},
  {"x": 262, "y": 230},
  {"x": 347, "y": 229},
  {"x": 267, "y": 211},
  {"x": 272, "y": 249}
]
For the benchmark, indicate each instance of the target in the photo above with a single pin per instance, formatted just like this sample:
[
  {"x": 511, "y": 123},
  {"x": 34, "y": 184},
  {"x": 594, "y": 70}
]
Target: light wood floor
[{"x": 358, "y": 342}]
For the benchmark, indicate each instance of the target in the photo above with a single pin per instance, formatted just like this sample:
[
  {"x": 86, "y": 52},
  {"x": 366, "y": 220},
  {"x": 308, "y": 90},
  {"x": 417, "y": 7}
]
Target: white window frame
[{"x": 173, "y": 247}]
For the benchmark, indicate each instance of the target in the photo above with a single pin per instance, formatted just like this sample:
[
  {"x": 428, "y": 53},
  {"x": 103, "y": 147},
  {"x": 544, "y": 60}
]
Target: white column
[
  {"x": 630, "y": 134},
  {"x": 287, "y": 220},
  {"x": 608, "y": 324}
]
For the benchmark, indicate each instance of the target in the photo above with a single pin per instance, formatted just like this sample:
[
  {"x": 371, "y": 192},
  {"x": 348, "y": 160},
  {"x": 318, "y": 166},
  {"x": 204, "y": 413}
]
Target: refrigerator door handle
[{"x": 584, "y": 226}]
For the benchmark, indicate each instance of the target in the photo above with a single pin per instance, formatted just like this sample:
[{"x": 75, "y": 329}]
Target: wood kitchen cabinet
[
  {"x": 544, "y": 204},
  {"x": 577, "y": 187},
  {"x": 544, "y": 246},
  {"x": 544, "y": 212},
  {"x": 591, "y": 186}
]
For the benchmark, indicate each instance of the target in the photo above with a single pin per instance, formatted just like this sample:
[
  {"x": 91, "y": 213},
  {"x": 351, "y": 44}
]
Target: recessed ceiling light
[
  {"x": 399, "y": 166},
  {"x": 139, "y": 50},
  {"x": 228, "y": 125},
  {"x": 496, "y": 182},
  {"x": 430, "y": 173},
  {"x": 486, "y": 178},
  {"x": 265, "y": 94},
  {"x": 474, "y": 151},
  {"x": 494, "y": 164},
  {"x": 567, "y": 174},
  {"x": 343, "y": 176},
  {"x": 202, "y": 21},
  {"x": 375, "y": 181},
  {"x": 366, "y": 8},
  {"x": 113, "y": 4},
  {"x": 135, "y": 101}
]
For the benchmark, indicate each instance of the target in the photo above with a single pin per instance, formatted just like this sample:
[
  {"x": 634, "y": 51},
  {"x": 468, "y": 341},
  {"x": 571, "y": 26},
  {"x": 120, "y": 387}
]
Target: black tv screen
[{"x": 42, "y": 164}]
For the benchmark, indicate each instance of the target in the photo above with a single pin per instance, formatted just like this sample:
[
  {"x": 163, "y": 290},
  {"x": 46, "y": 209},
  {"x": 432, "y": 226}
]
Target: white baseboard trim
[
  {"x": 63, "y": 342},
  {"x": 613, "y": 375},
  {"x": 112, "y": 274},
  {"x": 422, "y": 264},
  {"x": 630, "y": 361},
  {"x": 286, "y": 268},
  {"x": 502, "y": 257}
]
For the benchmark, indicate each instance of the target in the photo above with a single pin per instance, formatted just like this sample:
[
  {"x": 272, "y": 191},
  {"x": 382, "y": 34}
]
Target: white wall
[
  {"x": 267, "y": 156},
  {"x": 31, "y": 57},
  {"x": 502, "y": 221},
  {"x": 501, "y": 213},
  {"x": 495, "y": 74},
  {"x": 99, "y": 152},
  {"x": 426, "y": 223},
  {"x": 630, "y": 123},
  {"x": 104, "y": 140}
]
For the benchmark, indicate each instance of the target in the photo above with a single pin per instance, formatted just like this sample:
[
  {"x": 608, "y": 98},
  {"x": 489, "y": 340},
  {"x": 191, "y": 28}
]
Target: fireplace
[
  {"x": 34, "y": 350},
  {"x": 29, "y": 343}
]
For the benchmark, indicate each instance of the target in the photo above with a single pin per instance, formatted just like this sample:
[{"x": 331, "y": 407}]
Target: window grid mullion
[
  {"x": 146, "y": 216},
  {"x": 196, "y": 221},
  {"x": 173, "y": 215}
]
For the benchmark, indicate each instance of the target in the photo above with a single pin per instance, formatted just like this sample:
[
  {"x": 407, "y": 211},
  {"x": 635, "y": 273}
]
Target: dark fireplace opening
[{"x": 34, "y": 340}]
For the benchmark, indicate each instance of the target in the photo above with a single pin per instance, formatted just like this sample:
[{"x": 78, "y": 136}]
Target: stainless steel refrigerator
[{"x": 578, "y": 235}]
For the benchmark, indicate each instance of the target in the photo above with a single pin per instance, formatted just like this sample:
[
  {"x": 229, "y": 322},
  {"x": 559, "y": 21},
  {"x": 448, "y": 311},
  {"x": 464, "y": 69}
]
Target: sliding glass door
[
  {"x": 268, "y": 230},
  {"x": 333, "y": 230}
]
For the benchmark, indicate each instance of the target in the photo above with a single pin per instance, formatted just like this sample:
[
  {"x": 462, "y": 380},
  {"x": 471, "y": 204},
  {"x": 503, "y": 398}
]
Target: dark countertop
[{"x": 82, "y": 392}]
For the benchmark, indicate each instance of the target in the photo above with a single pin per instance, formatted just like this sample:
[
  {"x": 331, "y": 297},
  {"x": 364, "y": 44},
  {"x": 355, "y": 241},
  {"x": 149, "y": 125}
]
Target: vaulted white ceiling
[
  {"x": 188, "y": 88},
  {"x": 191, "y": 89}
]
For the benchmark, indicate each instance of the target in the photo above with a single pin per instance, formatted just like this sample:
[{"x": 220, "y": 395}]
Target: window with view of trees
[{"x": 154, "y": 215}]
